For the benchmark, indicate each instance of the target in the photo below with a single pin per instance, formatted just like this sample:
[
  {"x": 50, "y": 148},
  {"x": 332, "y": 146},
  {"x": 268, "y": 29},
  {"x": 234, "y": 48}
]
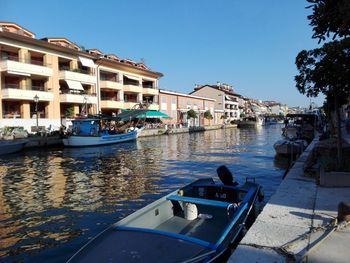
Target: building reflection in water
[{"x": 53, "y": 200}]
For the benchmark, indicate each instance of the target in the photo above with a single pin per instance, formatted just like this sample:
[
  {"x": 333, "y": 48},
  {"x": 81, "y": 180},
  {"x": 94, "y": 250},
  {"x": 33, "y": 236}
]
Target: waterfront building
[
  {"x": 226, "y": 100},
  {"x": 177, "y": 105},
  {"x": 45, "y": 82}
]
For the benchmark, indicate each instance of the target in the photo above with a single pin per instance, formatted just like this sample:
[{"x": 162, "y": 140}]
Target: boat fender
[
  {"x": 190, "y": 211},
  {"x": 261, "y": 194}
]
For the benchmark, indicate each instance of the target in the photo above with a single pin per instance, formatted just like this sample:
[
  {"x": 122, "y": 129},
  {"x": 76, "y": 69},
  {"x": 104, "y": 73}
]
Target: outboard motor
[{"x": 226, "y": 176}]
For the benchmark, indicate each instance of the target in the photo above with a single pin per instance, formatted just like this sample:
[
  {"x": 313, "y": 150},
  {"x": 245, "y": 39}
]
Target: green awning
[{"x": 154, "y": 114}]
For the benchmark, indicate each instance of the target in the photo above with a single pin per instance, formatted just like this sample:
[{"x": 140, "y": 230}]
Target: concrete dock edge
[{"x": 293, "y": 221}]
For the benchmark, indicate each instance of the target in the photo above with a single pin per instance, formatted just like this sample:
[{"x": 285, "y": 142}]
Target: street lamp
[{"x": 36, "y": 100}]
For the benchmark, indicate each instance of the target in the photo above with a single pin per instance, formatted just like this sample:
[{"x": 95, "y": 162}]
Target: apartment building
[
  {"x": 226, "y": 100},
  {"x": 124, "y": 83},
  {"x": 45, "y": 82},
  {"x": 177, "y": 105}
]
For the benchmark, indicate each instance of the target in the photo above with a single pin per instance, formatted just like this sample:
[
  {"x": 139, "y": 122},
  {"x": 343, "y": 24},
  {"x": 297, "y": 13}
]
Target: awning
[
  {"x": 154, "y": 114},
  {"x": 139, "y": 113},
  {"x": 87, "y": 62},
  {"x": 75, "y": 85},
  {"x": 132, "y": 77}
]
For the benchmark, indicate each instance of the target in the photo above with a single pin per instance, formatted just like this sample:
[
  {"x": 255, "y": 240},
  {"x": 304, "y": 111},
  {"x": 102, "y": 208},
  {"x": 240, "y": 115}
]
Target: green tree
[
  {"x": 208, "y": 115},
  {"x": 191, "y": 114},
  {"x": 330, "y": 17},
  {"x": 327, "y": 69}
]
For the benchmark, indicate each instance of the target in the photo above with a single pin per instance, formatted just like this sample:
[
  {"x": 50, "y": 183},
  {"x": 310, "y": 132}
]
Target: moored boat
[
  {"x": 196, "y": 223},
  {"x": 290, "y": 146},
  {"x": 251, "y": 122},
  {"x": 11, "y": 146},
  {"x": 98, "y": 130}
]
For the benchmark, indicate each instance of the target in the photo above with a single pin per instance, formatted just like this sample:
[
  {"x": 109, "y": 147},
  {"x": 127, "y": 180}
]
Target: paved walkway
[{"x": 297, "y": 224}]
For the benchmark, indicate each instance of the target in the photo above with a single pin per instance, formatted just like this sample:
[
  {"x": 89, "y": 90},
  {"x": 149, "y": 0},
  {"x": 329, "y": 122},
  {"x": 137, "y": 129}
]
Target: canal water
[{"x": 54, "y": 200}]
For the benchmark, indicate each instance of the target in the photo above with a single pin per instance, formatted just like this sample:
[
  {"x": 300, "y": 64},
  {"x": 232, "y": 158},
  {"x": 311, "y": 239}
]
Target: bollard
[{"x": 343, "y": 211}]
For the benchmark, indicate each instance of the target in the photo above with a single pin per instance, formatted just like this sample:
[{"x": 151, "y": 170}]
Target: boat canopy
[
  {"x": 154, "y": 114},
  {"x": 143, "y": 114},
  {"x": 126, "y": 115}
]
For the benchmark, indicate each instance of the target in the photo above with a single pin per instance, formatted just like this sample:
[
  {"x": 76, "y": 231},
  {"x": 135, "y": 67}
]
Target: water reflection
[{"x": 53, "y": 200}]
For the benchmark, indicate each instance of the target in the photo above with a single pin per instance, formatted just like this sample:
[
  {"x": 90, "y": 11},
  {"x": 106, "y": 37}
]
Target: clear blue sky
[{"x": 250, "y": 44}]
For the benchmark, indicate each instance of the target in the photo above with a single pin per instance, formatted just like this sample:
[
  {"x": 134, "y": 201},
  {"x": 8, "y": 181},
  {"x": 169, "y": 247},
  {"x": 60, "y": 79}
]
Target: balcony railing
[
  {"x": 17, "y": 86},
  {"x": 149, "y": 87},
  {"x": 78, "y": 92},
  {"x": 77, "y": 70},
  {"x": 41, "y": 114},
  {"x": 109, "y": 98},
  {"x": 132, "y": 100},
  {"x": 11, "y": 115},
  {"x": 26, "y": 61}
]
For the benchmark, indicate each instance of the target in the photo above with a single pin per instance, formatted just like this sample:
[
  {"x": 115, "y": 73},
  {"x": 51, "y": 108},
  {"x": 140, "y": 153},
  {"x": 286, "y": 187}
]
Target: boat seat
[{"x": 198, "y": 201}]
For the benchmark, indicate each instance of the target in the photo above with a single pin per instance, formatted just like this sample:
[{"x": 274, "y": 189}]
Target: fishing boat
[
  {"x": 11, "y": 146},
  {"x": 103, "y": 130},
  {"x": 290, "y": 146},
  {"x": 196, "y": 223}
]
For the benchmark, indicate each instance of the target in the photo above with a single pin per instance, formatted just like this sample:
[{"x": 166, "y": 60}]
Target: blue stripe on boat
[
  {"x": 198, "y": 201},
  {"x": 236, "y": 216},
  {"x": 229, "y": 227},
  {"x": 168, "y": 234}
]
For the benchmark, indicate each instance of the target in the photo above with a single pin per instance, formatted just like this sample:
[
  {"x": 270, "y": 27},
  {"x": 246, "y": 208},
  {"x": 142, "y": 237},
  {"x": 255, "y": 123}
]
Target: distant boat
[
  {"x": 301, "y": 126},
  {"x": 11, "y": 146},
  {"x": 103, "y": 130},
  {"x": 196, "y": 223},
  {"x": 251, "y": 122}
]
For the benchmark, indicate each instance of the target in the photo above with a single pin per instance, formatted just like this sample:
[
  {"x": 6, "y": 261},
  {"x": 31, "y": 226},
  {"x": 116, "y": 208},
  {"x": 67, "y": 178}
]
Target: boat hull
[
  {"x": 82, "y": 141},
  {"x": 290, "y": 147},
  {"x": 161, "y": 232},
  {"x": 7, "y": 147}
]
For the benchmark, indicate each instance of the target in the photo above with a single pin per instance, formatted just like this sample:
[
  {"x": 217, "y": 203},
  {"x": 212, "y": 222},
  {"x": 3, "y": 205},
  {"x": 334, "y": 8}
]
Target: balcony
[
  {"x": 150, "y": 91},
  {"x": 230, "y": 102},
  {"x": 12, "y": 91},
  {"x": 133, "y": 88},
  {"x": 112, "y": 104},
  {"x": 77, "y": 75},
  {"x": 26, "y": 69},
  {"x": 78, "y": 98},
  {"x": 107, "y": 84}
]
